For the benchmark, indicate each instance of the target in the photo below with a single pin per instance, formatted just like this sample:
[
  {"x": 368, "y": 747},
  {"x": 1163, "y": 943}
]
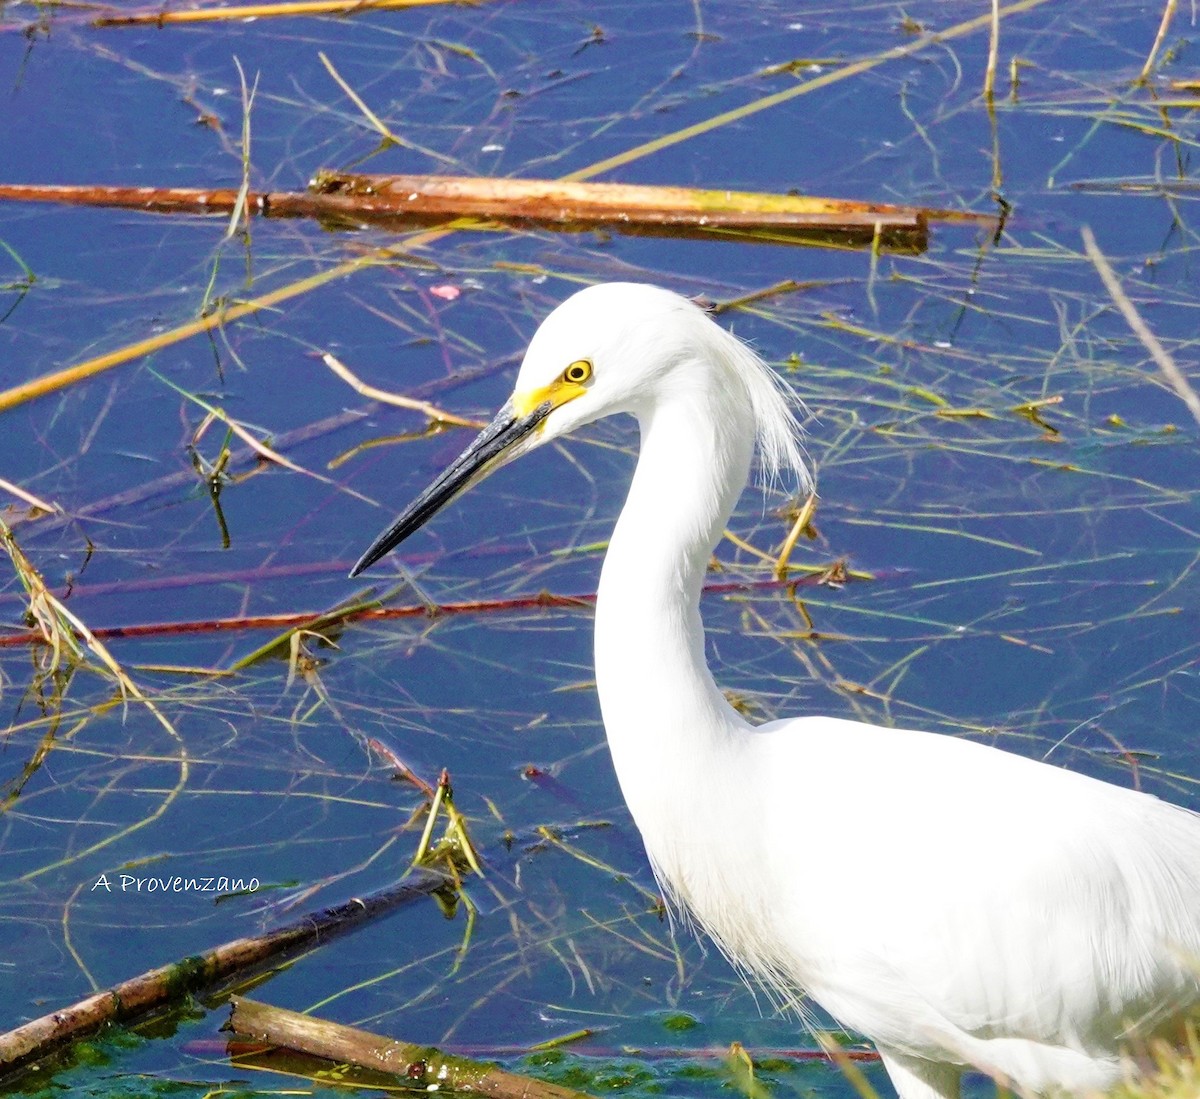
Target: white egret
[{"x": 1015, "y": 917}]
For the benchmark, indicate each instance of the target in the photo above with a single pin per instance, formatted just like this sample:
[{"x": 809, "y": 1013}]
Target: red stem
[{"x": 541, "y": 601}]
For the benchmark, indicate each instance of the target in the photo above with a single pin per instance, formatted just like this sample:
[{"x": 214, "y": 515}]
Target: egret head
[{"x": 609, "y": 348}]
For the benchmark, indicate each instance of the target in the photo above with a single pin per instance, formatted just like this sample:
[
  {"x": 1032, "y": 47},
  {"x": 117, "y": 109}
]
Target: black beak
[{"x": 492, "y": 447}]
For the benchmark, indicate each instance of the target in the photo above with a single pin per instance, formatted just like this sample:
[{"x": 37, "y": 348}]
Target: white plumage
[{"x": 1014, "y": 917}]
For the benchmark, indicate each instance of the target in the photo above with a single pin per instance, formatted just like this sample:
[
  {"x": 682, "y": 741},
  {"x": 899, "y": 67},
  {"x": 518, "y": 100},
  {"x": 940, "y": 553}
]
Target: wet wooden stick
[
  {"x": 162, "y": 988},
  {"x": 422, "y": 1068},
  {"x": 404, "y": 201},
  {"x": 161, "y": 18}
]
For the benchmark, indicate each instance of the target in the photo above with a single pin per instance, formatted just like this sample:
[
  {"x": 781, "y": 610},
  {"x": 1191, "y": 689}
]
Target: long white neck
[{"x": 668, "y": 725}]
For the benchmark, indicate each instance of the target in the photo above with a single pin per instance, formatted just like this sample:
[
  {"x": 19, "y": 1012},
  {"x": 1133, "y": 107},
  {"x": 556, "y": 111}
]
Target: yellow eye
[{"x": 578, "y": 372}]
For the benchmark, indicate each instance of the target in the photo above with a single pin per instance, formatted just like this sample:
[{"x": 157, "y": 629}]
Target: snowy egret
[{"x": 1016, "y": 918}]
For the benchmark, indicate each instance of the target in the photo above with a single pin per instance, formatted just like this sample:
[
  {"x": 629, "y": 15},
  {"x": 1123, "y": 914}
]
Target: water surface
[{"x": 993, "y": 446}]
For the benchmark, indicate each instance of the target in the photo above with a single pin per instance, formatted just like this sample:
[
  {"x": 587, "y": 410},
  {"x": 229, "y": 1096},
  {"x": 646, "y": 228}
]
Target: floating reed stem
[
  {"x": 160, "y": 18},
  {"x": 403, "y": 202}
]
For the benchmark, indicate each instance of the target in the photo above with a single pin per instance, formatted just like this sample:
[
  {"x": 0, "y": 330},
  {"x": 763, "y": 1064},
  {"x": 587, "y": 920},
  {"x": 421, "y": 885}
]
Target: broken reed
[{"x": 407, "y": 201}]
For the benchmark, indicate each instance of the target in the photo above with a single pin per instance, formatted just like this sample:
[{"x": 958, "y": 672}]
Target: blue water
[{"x": 1033, "y": 581}]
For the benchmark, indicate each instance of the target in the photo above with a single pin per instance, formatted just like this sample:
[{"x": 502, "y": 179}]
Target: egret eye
[{"x": 578, "y": 372}]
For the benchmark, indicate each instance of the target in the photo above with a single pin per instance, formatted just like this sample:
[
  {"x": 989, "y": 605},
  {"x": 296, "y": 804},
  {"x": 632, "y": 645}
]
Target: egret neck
[{"x": 667, "y": 721}]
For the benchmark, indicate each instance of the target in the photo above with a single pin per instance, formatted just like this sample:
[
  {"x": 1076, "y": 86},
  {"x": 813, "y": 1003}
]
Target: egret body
[{"x": 1015, "y": 917}]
